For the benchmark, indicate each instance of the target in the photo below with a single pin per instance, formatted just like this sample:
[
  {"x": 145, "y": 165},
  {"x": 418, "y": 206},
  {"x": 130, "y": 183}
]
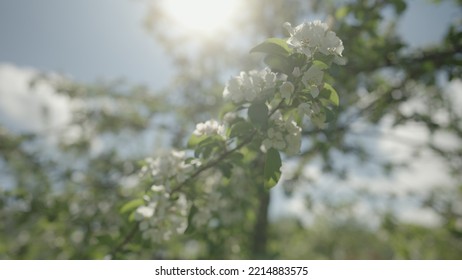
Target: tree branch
[
  {"x": 201, "y": 169},
  {"x": 125, "y": 241}
]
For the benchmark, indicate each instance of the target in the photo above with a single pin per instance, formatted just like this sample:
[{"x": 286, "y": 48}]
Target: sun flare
[{"x": 204, "y": 17}]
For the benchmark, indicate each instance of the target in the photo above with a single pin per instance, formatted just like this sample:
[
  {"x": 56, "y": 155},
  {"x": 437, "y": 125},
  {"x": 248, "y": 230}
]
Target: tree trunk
[{"x": 260, "y": 233}]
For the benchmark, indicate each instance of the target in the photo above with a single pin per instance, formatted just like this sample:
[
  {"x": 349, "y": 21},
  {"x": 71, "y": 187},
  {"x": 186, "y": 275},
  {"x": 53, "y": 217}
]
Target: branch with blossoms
[{"x": 265, "y": 112}]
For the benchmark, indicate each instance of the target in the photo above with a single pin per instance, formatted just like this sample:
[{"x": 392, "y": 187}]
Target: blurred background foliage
[{"x": 61, "y": 196}]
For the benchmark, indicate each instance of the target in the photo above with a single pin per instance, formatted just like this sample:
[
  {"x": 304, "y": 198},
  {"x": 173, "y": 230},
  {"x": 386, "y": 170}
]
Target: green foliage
[
  {"x": 327, "y": 239},
  {"x": 273, "y": 46},
  {"x": 258, "y": 114},
  {"x": 208, "y": 146},
  {"x": 241, "y": 129},
  {"x": 131, "y": 205},
  {"x": 273, "y": 165},
  {"x": 331, "y": 94},
  {"x": 399, "y": 5},
  {"x": 278, "y": 63}
]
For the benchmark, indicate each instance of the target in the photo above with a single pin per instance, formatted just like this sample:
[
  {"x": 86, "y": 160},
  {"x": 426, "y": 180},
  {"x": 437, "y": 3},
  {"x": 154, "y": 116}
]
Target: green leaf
[
  {"x": 241, "y": 128},
  {"x": 326, "y": 59},
  {"x": 321, "y": 65},
  {"x": 194, "y": 140},
  {"x": 342, "y": 12},
  {"x": 258, "y": 114},
  {"x": 400, "y": 6},
  {"x": 297, "y": 60},
  {"x": 131, "y": 218},
  {"x": 207, "y": 146},
  {"x": 331, "y": 115},
  {"x": 191, "y": 215},
  {"x": 319, "y": 119},
  {"x": 131, "y": 205},
  {"x": 235, "y": 158},
  {"x": 333, "y": 96},
  {"x": 226, "y": 169},
  {"x": 272, "y": 171},
  {"x": 105, "y": 240},
  {"x": 276, "y": 46},
  {"x": 278, "y": 63}
]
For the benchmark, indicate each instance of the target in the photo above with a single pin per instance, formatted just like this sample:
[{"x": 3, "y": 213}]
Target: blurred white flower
[
  {"x": 293, "y": 137},
  {"x": 247, "y": 86},
  {"x": 297, "y": 73},
  {"x": 286, "y": 90},
  {"x": 331, "y": 44},
  {"x": 156, "y": 188},
  {"x": 169, "y": 165},
  {"x": 229, "y": 117},
  {"x": 144, "y": 212},
  {"x": 171, "y": 215},
  {"x": 304, "y": 109},
  {"x": 275, "y": 139},
  {"x": 210, "y": 127},
  {"x": 312, "y": 79},
  {"x": 310, "y": 37},
  {"x": 283, "y": 135}
]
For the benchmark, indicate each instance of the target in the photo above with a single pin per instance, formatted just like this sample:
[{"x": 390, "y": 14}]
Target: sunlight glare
[{"x": 203, "y": 17}]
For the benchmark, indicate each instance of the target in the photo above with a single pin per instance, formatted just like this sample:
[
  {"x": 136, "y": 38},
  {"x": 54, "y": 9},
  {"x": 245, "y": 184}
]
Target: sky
[
  {"x": 90, "y": 40},
  {"x": 85, "y": 39},
  {"x": 105, "y": 39}
]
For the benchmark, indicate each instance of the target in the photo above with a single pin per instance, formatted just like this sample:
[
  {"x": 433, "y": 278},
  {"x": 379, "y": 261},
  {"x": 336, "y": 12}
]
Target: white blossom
[
  {"x": 286, "y": 90},
  {"x": 144, "y": 212},
  {"x": 170, "y": 165},
  {"x": 312, "y": 79},
  {"x": 229, "y": 117},
  {"x": 269, "y": 78},
  {"x": 309, "y": 109},
  {"x": 305, "y": 109},
  {"x": 275, "y": 139},
  {"x": 310, "y": 37},
  {"x": 215, "y": 201},
  {"x": 247, "y": 86},
  {"x": 156, "y": 188},
  {"x": 283, "y": 135},
  {"x": 297, "y": 73},
  {"x": 164, "y": 216},
  {"x": 313, "y": 111},
  {"x": 293, "y": 137},
  {"x": 210, "y": 127},
  {"x": 331, "y": 44}
]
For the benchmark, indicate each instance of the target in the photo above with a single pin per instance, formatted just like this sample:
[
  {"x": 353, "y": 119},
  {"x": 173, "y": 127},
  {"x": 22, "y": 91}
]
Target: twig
[{"x": 126, "y": 240}]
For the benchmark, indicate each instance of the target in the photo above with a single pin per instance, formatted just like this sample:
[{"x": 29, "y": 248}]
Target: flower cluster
[
  {"x": 286, "y": 90},
  {"x": 210, "y": 127},
  {"x": 210, "y": 201},
  {"x": 312, "y": 79},
  {"x": 162, "y": 216},
  {"x": 247, "y": 86},
  {"x": 171, "y": 165},
  {"x": 310, "y": 37},
  {"x": 313, "y": 111},
  {"x": 283, "y": 135}
]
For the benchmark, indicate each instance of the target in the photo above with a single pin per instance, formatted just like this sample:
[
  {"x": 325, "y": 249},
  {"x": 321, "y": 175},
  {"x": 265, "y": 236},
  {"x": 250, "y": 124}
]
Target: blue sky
[
  {"x": 92, "y": 39},
  {"x": 86, "y": 39}
]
